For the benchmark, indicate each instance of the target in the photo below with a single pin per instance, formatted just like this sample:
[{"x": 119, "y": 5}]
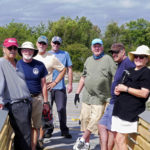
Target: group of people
[
  {"x": 36, "y": 81},
  {"x": 31, "y": 85},
  {"x": 129, "y": 91}
]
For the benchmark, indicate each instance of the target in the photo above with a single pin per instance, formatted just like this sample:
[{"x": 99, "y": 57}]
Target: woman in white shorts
[{"x": 132, "y": 94}]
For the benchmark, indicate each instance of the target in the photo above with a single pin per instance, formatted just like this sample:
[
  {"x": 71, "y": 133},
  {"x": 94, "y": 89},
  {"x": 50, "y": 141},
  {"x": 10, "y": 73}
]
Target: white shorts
[{"x": 123, "y": 126}]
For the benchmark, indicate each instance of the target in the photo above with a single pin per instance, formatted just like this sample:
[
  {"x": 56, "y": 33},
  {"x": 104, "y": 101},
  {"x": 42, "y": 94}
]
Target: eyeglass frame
[
  {"x": 114, "y": 51},
  {"x": 10, "y": 48},
  {"x": 140, "y": 56},
  {"x": 43, "y": 43},
  {"x": 56, "y": 43}
]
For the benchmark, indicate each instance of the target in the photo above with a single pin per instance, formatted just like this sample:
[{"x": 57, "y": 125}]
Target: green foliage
[
  {"x": 78, "y": 53},
  {"x": 112, "y": 35},
  {"x": 137, "y": 33},
  {"x": 78, "y": 33},
  {"x": 74, "y": 31},
  {"x": 131, "y": 34}
]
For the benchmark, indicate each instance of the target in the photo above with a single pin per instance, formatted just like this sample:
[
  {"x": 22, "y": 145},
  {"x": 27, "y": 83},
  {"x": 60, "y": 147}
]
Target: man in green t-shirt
[{"x": 96, "y": 79}]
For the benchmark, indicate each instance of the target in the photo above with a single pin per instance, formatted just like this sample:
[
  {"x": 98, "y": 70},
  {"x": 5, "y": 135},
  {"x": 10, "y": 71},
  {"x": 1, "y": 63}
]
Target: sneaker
[
  {"x": 86, "y": 146},
  {"x": 66, "y": 135},
  {"x": 78, "y": 145},
  {"x": 39, "y": 145}
]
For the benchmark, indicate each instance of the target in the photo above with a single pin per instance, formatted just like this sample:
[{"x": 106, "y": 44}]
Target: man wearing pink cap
[{"x": 15, "y": 96}]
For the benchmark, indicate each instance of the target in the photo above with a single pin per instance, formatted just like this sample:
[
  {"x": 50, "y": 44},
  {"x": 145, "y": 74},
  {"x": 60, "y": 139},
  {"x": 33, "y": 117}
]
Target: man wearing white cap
[
  {"x": 58, "y": 93},
  {"x": 96, "y": 79},
  {"x": 34, "y": 73}
]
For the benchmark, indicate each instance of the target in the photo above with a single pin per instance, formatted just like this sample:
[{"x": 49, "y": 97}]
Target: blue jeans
[{"x": 20, "y": 120}]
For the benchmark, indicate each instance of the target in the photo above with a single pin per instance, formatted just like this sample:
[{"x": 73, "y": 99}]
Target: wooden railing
[
  {"x": 6, "y": 132},
  {"x": 137, "y": 141},
  {"x": 141, "y": 139}
]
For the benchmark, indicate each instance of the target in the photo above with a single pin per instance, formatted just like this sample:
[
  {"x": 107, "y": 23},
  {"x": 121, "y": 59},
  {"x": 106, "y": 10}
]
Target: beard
[
  {"x": 41, "y": 50},
  {"x": 27, "y": 57}
]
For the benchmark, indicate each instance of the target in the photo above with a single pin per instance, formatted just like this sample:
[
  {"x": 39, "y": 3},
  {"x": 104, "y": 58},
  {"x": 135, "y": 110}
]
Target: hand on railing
[{"x": 1, "y": 106}]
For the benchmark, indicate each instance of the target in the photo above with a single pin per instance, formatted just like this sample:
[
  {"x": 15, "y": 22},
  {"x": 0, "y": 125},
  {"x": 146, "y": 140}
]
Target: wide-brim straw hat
[
  {"x": 27, "y": 45},
  {"x": 141, "y": 50}
]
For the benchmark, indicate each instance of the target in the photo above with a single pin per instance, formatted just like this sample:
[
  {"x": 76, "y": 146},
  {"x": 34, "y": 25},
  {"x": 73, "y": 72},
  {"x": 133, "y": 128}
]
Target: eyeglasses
[
  {"x": 12, "y": 47},
  {"x": 42, "y": 43},
  {"x": 140, "y": 56},
  {"x": 27, "y": 50},
  {"x": 114, "y": 52},
  {"x": 56, "y": 43}
]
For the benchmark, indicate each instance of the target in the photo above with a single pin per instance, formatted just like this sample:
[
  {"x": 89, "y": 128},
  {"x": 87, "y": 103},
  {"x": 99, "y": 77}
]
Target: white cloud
[
  {"x": 99, "y": 12},
  {"x": 129, "y": 3}
]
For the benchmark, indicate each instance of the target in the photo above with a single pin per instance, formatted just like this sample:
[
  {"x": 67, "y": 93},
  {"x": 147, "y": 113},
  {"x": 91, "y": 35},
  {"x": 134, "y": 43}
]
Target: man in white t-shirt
[{"x": 51, "y": 62}]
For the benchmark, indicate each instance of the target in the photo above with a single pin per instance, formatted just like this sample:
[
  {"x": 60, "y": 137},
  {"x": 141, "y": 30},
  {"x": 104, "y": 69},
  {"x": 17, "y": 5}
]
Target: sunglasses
[
  {"x": 114, "y": 52},
  {"x": 56, "y": 43},
  {"x": 42, "y": 43},
  {"x": 140, "y": 56},
  {"x": 12, "y": 48}
]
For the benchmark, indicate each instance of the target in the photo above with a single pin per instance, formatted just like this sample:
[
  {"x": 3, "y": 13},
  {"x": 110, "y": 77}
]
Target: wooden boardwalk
[{"x": 57, "y": 142}]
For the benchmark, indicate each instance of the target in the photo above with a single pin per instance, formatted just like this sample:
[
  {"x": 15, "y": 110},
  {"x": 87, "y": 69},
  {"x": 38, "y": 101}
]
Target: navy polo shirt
[{"x": 33, "y": 73}]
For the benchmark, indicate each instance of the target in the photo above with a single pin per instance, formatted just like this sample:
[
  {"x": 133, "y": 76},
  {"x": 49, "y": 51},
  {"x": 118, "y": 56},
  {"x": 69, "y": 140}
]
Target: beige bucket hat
[
  {"x": 27, "y": 45},
  {"x": 141, "y": 50}
]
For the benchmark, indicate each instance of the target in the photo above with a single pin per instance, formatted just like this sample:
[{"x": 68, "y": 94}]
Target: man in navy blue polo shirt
[{"x": 34, "y": 73}]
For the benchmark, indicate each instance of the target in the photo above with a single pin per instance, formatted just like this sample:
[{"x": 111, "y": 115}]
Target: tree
[
  {"x": 136, "y": 33},
  {"x": 78, "y": 53},
  {"x": 112, "y": 35},
  {"x": 79, "y": 30}
]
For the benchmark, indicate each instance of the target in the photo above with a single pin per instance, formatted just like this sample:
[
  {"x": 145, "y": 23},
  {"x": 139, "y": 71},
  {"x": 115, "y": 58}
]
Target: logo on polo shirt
[{"x": 35, "y": 71}]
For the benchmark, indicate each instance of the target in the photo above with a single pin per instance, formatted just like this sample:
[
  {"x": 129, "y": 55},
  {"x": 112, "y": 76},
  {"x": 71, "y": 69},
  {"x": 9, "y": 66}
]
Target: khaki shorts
[
  {"x": 37, "y": 108},
  {"x": 90, "y": 116}
]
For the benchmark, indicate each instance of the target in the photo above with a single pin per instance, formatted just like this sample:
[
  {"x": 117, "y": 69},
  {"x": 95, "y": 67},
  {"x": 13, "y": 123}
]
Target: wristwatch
[{"x": 46, "y": 103}]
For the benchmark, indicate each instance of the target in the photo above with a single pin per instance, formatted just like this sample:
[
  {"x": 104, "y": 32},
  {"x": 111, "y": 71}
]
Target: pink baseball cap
[{"x": 10, "y": 42}]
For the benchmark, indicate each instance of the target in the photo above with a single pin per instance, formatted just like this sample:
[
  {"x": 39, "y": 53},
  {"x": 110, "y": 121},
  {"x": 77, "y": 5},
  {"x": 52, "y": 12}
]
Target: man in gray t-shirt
[{"x": 15, "y": 96}]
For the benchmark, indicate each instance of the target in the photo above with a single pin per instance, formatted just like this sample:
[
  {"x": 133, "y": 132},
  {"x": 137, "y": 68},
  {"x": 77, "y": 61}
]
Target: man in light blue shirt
[{"x": 58, "y": 93}]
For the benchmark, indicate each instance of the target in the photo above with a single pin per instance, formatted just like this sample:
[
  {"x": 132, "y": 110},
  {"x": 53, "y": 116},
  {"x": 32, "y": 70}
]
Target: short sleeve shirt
[
  {"x": 51, "y": 63},
  {"x": 124, "y": 65},
  {"x": 127, "y": 106},
  {"x": 33, "y": 73},
  {"x": 65, "y": 59},
  {"x": 98, "y": 79}
]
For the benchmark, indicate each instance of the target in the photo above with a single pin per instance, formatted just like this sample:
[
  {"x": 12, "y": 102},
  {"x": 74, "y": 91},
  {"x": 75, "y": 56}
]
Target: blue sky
[{"x": 99, "y": 12}]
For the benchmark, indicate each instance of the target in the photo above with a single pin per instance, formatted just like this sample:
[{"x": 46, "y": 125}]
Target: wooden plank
[
  {"x": 10, "y": 142},
  {"x": 144, "y": 132},
  {"x": 144, "y": 123},
  {"x": 143, "y": 143},
  {"x": 136, "y": 147},
  {"x": 145, "y": 116},
  {"x": 133, "y": 146},
  {"x": 3, "y": 142},
  {"x": 133, "y": 136},
  {"x": 4, "y": 132}
]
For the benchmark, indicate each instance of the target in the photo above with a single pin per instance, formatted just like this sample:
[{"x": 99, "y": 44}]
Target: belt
[
  {"x": 21, "y": 100},
  {"x": 35, "y": 94}
]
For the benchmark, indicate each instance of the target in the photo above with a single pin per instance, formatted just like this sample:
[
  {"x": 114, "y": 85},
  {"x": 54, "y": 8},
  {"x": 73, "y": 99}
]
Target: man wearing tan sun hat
[{"x": 34, "y": 73}]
